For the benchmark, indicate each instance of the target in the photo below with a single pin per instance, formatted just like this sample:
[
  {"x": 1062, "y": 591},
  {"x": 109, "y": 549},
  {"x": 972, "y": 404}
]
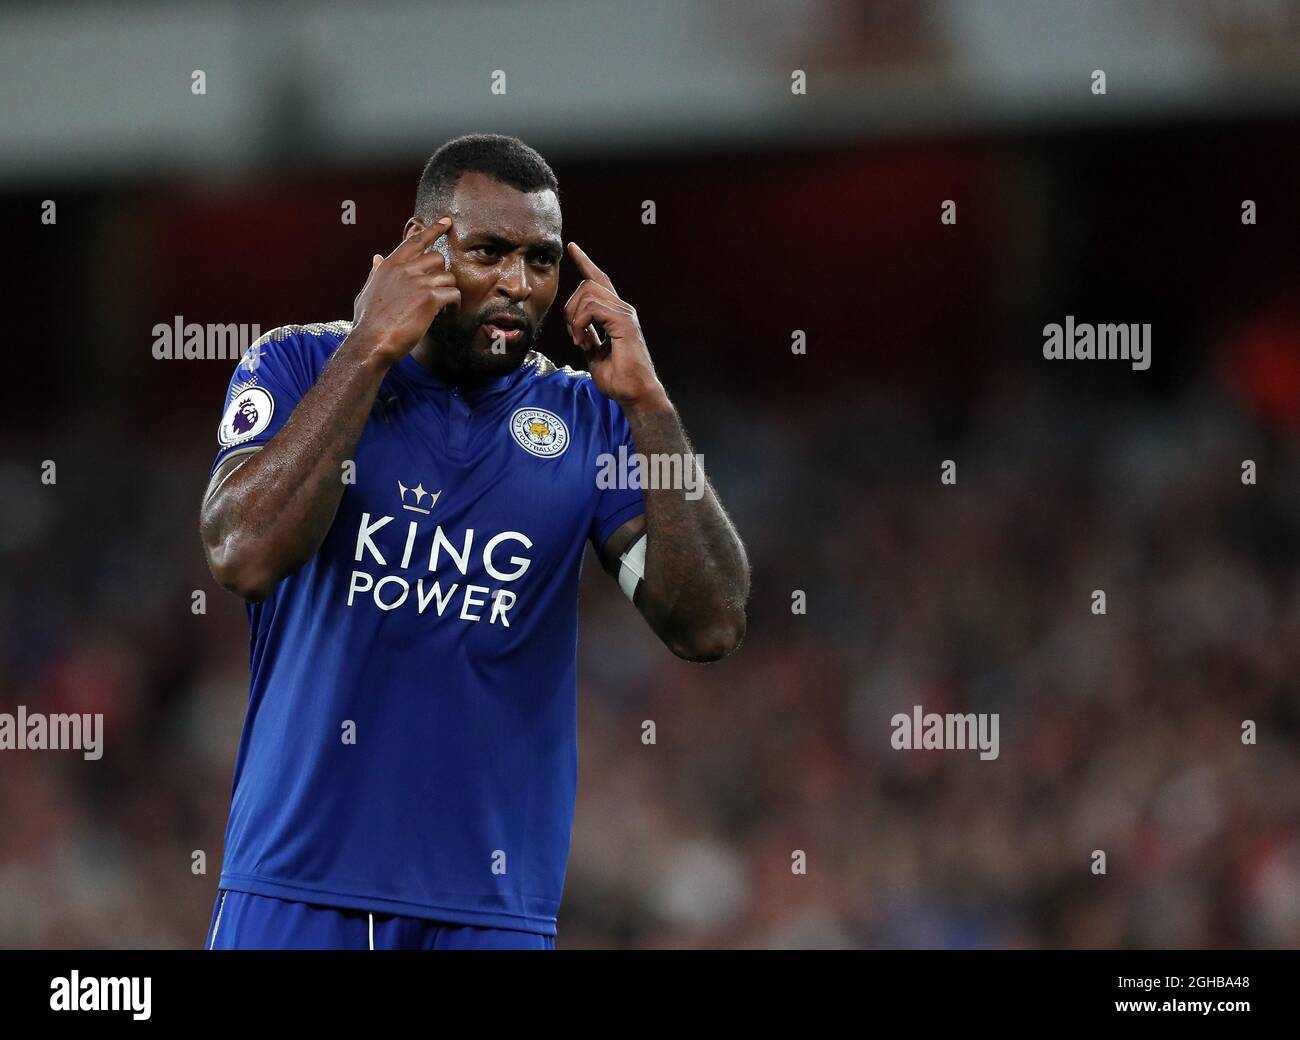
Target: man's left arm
[{"x": 694, "y": 573}]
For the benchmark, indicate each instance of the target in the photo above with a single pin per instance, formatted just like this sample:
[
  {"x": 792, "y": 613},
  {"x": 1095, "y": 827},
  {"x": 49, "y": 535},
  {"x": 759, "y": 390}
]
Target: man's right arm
[{"x": 265, "y": 515}]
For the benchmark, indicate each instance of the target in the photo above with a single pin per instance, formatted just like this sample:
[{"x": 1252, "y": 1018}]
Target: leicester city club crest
[{"x": 539, "y": 432}]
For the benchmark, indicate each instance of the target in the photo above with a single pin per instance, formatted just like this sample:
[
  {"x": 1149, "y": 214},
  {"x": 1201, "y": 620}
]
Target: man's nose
[{"x": 513, "y": 280}]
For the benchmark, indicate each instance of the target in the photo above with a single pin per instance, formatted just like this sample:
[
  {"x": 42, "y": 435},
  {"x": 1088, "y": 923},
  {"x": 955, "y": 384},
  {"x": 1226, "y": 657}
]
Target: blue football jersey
[{"x": 410, "y": 745}]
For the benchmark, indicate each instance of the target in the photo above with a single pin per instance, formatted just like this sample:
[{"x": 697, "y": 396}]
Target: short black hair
[{"x": 506, "y": 159}]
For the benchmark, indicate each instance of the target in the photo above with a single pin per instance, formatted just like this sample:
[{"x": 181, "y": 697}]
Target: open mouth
[{"x": 507, "y": 329}]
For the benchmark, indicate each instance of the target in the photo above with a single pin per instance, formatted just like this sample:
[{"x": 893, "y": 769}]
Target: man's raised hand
[
  {"x": 621, "y": 366},
  {"x": 406, "y": 290}
]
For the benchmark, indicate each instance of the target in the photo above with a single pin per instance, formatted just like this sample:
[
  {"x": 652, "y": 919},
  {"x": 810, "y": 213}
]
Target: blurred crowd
[{"x": 1121, "y": 732}]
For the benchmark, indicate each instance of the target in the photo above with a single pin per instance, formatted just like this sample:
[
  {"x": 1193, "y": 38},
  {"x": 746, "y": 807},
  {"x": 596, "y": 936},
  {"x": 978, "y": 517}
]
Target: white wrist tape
[{"x": 632, "y": 571}]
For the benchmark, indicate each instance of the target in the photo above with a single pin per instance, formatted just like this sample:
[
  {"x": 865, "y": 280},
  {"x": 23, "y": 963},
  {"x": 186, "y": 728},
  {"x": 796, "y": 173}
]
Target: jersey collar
[{"x": 417, "y": 373}]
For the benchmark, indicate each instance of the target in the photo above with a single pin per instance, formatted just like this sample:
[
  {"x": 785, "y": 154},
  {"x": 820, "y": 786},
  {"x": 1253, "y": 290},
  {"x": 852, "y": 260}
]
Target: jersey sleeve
[
  {"x": 266, "y": 387},
  {"x": 615, "y": 506}
]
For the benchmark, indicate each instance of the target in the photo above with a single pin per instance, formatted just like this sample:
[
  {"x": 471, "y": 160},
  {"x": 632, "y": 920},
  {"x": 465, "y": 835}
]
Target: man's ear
[{"x": 413, "y": 227}]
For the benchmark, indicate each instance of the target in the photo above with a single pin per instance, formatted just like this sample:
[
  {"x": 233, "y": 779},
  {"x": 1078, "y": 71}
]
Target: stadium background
[{"x": 774, "y": 212}]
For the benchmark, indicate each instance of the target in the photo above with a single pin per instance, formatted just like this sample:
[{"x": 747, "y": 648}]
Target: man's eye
[
  {"x": 544, "y": 260},
  {"x": 487, "y": 250}
]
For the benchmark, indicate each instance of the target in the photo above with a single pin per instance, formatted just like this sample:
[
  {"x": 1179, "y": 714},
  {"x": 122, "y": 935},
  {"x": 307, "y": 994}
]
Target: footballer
[{"x": 404, "y": 500}]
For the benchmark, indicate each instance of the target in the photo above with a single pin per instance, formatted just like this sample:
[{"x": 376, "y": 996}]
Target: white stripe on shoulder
[
  {"x": 545, "y": 366},
  {"x": 316, "y": 328}
]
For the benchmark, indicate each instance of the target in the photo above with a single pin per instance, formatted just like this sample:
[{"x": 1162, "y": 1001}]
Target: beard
[{"x": 465, "y": 351}]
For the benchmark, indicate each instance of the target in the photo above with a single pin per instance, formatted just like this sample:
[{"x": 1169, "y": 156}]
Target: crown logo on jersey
[{"x": 420, "y": 494}]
